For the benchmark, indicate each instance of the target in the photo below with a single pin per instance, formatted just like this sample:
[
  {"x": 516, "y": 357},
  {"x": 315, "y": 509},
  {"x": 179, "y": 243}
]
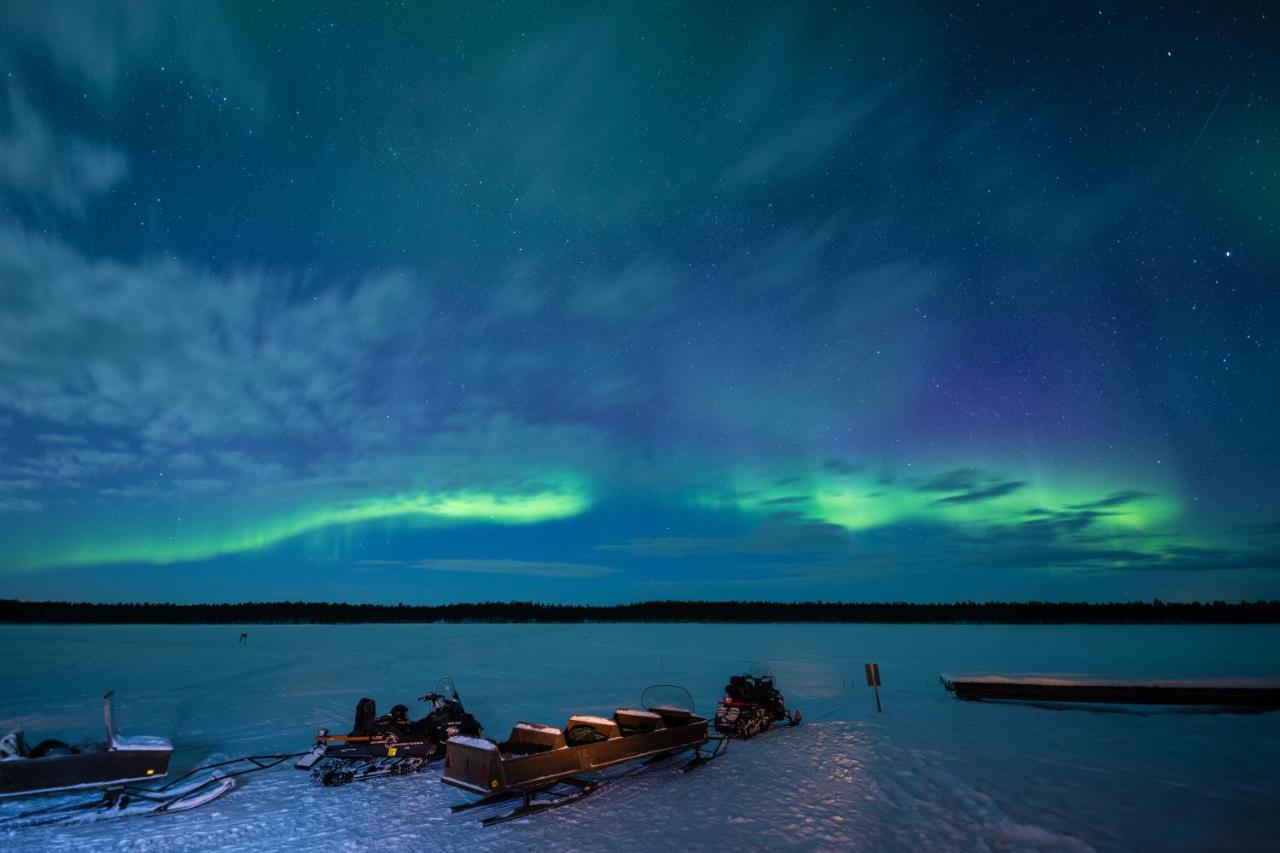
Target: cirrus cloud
[{"x": 530, "y": 568}]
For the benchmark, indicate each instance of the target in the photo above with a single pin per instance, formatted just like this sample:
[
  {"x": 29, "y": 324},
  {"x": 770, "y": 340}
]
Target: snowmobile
[
  {"x": 751, "y": 704},
  {"x": 392, "y": 744}
]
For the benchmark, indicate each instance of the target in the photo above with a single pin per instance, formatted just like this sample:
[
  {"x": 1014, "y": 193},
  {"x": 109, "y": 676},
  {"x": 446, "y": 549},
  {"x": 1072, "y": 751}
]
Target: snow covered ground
[{"x": 930, "y": 773}]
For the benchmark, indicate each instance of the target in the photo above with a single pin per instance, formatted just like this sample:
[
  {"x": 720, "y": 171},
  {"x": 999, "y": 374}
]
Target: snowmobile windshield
[
  {"x": 759, "y": 670},
  {"x": 445, "y": 688},
  {"x": 666, "y": 697}
]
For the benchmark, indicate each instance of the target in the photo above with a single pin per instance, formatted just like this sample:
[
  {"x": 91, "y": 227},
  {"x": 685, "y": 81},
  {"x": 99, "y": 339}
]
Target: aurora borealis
[{"x": 602, "y": 302}]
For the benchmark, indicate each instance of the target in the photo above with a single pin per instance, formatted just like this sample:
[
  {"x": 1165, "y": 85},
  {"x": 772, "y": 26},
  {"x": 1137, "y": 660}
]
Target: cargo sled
[
  {"x": 52, "y": 766},
  {"x": 559, "y": 764}
]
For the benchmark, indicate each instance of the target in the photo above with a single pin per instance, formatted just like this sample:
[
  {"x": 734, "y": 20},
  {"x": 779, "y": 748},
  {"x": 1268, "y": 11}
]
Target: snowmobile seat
[
  {"x": 366, "y": 713},
  {"x": 764, "y": 691},
  {"x": 469, "y": 726},
  {"x": 632, "y": 722},
  {"x": 397, "y": 724}
]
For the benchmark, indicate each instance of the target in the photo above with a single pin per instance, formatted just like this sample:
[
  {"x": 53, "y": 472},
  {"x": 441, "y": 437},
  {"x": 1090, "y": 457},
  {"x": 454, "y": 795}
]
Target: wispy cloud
[
  {"x": 633, "y": 295},
  {"x": 777, "y": 535},
  {"x": 983, "y": 493},
  {"x": 1114, "y": 500},
  {"x": 955, "y": 480},
  {"x": 61, "y": 438},
  {"x": 806, "y": 140},
  {"x": 518, "y": 567},
  {"x": 107, "y": 344},
  {"x": 100, "y": 48},
  {"x": 52, "y": 172}
]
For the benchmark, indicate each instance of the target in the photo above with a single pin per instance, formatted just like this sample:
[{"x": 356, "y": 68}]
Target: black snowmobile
[
  {"x": 751, "y": 704},
  {"x": 392, "y": 744}
]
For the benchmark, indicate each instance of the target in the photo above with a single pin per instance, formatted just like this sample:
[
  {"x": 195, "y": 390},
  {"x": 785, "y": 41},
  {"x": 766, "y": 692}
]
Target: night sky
[{"x": 590, "y": 303}]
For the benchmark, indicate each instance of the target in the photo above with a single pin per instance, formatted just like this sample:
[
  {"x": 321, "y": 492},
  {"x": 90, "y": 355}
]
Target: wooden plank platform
[{"x": 1236, "y": 692}]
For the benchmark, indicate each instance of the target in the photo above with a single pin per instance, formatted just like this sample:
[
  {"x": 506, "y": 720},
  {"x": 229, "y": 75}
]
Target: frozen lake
[{"x": 930, "y": 773}]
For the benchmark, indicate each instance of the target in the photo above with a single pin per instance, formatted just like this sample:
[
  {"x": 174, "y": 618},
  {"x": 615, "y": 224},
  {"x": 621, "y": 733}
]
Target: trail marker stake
[{"x": 873, "y": 680}]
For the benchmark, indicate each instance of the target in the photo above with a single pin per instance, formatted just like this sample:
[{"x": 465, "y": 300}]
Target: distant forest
[{"x": 300, "y": 612}]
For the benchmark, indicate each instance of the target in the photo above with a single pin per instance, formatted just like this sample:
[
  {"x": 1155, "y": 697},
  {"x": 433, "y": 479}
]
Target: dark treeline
[{"x": 300, "y": 612}]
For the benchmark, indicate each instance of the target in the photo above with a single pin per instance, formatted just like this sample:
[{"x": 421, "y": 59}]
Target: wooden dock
[{"x": 1260, "y": 693}]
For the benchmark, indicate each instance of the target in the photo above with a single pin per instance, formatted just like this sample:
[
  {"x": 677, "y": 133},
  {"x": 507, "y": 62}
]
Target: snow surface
[
  {"x": 1067, "y": 679},
  {"x": 930, "y": 773},
  {"x": 474, "y": 742},
  {"x": 140, "y": 743}
]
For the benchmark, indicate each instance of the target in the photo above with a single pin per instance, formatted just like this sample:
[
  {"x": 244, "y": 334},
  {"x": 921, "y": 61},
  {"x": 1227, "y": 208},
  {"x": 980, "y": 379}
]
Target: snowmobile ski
[
  {"x": 193, "y": 789},
  {"x": 115, "y": 803}
]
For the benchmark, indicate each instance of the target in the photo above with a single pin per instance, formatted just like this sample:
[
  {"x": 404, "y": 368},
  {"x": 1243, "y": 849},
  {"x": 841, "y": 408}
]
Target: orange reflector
[
  {"x": 151, "y": 772},
  {"x": 493, "y": 784}
]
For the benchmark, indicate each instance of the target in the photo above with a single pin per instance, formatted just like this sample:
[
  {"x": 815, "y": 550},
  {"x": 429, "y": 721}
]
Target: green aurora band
[
  {"x": 853, "y": 501},
  {"x": 859, "y": 502},
  {"x": 136, "y": 542}
]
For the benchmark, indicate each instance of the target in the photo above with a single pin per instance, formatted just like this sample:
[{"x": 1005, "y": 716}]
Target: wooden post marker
[{"x": 873, "y": 680}]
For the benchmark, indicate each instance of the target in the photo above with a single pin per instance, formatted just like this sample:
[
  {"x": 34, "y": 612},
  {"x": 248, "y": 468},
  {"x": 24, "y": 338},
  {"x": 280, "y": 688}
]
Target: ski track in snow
[{"x": 930, "y": 773}]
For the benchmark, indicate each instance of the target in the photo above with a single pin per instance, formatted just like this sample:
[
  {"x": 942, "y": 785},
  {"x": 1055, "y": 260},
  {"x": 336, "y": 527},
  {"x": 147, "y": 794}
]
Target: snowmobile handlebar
[{"x": 438, "y": 698}]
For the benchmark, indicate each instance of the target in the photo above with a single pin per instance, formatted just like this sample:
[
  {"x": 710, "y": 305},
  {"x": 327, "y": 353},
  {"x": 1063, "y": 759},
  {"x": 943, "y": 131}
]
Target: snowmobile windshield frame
[
  {"x": 671, "y": 697},
  {"x": 446, "y": 690}
]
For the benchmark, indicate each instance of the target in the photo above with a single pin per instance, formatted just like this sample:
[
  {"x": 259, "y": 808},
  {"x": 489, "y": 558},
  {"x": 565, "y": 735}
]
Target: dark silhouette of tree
[{"x": 991, "y": 612}]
